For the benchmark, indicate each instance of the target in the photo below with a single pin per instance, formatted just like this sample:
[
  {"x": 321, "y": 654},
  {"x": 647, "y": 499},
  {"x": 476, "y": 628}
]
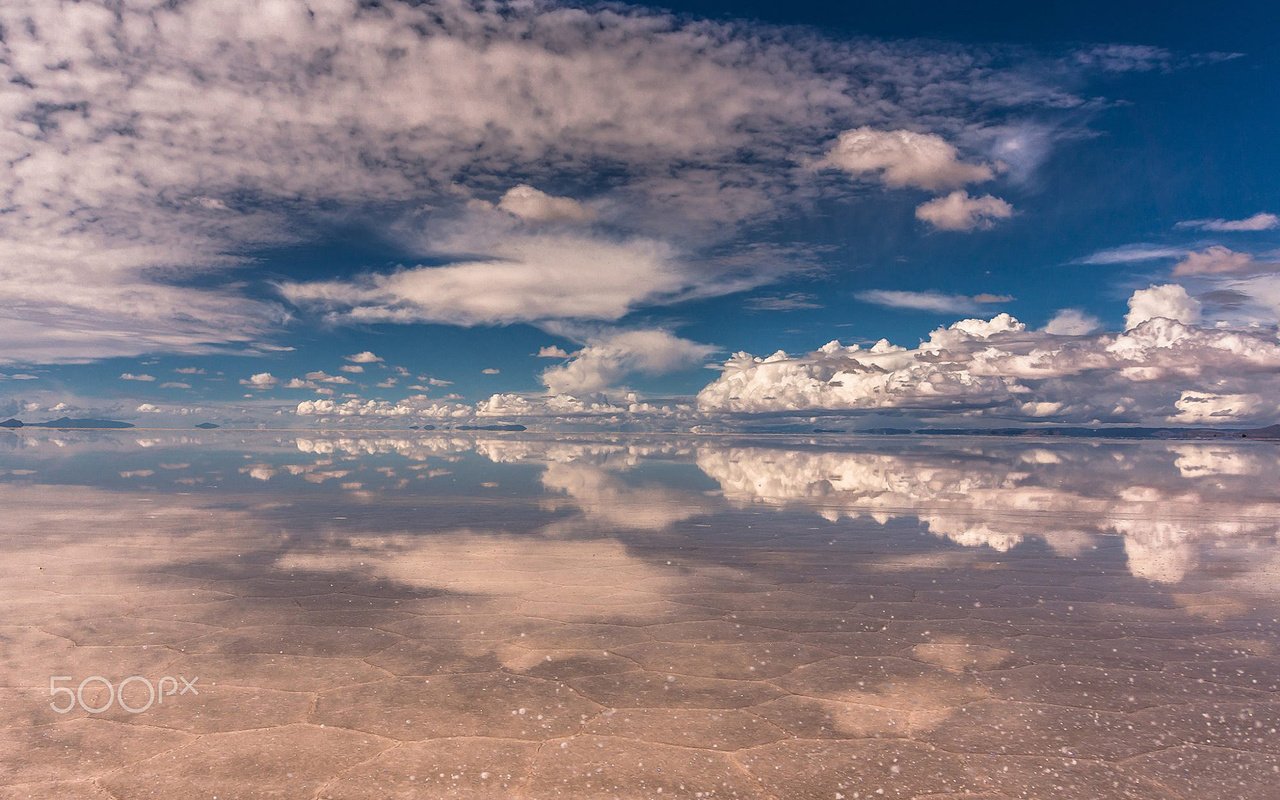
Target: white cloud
[
  {"x": 960, "y": 212},
  {"x": 148, "y": 408},
  {"x": 490, "y": 371},
  {"x": 609, "y": 358},
  {"x": 260, "y": 380},
  {"x": 1131, "y": 253},
  {"x": 533, "y": 205},
  {"x": 930, "y": 300},
  {"x": 353, "y": 368},
  {"x": 1219, "y": 260},
  {"x": 324, "y": 377},
  {"x": 528, "y": 279},
  {"x": 189, "y": 371},
  {"x": 998, "y": 368},
  {"x": 152, "y": 143},
  {"x": 129, "y": 376},
  {"x": 901, "y": 158},
  {"x": 363, "y": 357},
  {"x": 1167, "y": 301},
  {"x": 1072, "y": 322},
  {"x": 1261, "y": 221},
  {"x": 552, "y": 351},
  {"x": 175, "y": 385},
  {"x": 415, "y": 407}
]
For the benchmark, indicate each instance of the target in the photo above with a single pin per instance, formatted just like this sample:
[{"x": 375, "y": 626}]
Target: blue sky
[{"x": 206, "y": 194}]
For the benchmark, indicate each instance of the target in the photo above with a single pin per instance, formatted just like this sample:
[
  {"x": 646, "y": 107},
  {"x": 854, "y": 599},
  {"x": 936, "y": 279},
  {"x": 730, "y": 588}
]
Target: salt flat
[{"x": 382, "y": 615}]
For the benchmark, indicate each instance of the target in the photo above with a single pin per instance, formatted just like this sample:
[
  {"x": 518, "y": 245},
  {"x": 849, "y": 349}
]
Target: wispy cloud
[{"x": 930, "y": 300}]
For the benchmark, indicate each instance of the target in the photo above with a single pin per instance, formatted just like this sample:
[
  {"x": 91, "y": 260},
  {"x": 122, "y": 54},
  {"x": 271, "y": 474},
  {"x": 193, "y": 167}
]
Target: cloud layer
[
  {"x": 152, "y": 144},
  {"x": 1162, "y": 369}
]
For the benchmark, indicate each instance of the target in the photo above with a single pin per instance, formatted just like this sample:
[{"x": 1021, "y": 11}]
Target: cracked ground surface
[{"x": 550, "y": 624}]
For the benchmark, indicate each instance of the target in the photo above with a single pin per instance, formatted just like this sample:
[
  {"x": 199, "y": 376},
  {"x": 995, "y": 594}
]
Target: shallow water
[{"x": 384, "y": 616}]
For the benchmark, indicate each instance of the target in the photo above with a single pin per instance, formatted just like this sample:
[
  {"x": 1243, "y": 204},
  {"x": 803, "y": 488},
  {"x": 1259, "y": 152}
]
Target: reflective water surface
[{"x": 378, "y": 615}]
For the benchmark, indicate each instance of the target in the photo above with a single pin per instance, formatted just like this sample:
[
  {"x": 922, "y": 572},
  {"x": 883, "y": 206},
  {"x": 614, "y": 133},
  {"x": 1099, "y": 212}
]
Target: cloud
[
  {"x": 526, "y": 279},
  {"x": 353, "y": 368},
  {"x": 490, "y": 371},
  {"x": 189, "y": 371},
  {"x": 363, "y": 357},
  {"x": 1131, "y": 253},
  {"x": 609, "y": 358},
  {"x": 1167, "y": 301},
  {"x": 148, "y": 408},
  {"x": 260, "y": 380},
  {"x": 930, "y": 300},
  {"x": 552, "y": 351},
  {"x": 324, "y": 377},
  {"x": 997, "y": 368},
  {"x": 129, "y": 376},
  {"x": 1261, "y": 221},
  {"x": 1219, "y": 260},
  {"x": 533, "y": 205},
  {"x": 153, "y": 147},
  {"x": 175, "y": 385},
  {"x": 902, "y": 158},
  {"x": 960, "y": 212},
  {"x": 415, "y": 407},
  {"x": 1072, "y": 322},
  {"x": 793, "y": 301}
]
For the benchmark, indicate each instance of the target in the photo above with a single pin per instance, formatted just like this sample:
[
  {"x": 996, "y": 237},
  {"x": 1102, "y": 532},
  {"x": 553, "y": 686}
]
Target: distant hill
[
  {"x": 11, "y": 423},
  {"x": 68, "y": 422},
  {"x": 207, "y": 426},
  {"x": 492, "y": 428}
]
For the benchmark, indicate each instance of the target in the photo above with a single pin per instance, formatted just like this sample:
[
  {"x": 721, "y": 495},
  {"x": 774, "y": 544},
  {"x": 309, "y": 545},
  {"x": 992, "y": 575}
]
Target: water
[{"x": 384, "y": 616}]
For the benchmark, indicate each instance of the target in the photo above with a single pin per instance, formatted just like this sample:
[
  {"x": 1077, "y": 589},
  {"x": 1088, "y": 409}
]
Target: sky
[{"x": 714, "y": 215}]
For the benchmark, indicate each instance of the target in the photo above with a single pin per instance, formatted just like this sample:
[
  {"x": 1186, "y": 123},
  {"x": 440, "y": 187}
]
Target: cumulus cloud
[
  {"x": 930, "y": 300},
  {"x": 260, "y": 380},
  {"x": 364, "y": 357},
  {"x": 129, "y": 376},
  {"x": 609, "y": 358},
  {"x": 1162, "y": 368},
  {"x": 1072, "y": 322},
  {"x": 900, "y": 158},
  {"x": 960, "y": 212},
  {"x": 1167, "y": 301},
  {"x": 175, "y": 385},
  {"x": 490, "y": 371},
  {"x": 352, "y": 368},
  {"x": 552, "y": 351},
  {"x": 1262, "y": 221},
  {"x": 534, "y": 205},
  {"x": 1219, "y": 260},
  {"x": 415, "y": 407}
]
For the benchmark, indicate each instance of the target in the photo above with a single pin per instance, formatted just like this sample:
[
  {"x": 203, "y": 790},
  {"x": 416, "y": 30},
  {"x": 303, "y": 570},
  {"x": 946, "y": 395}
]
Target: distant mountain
[
  {"x": 68, "y": 422},
  {"x": 492, "y": 428},
  {"x": 207, "y": 426},
  {"x": 11, "y": 423}
]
